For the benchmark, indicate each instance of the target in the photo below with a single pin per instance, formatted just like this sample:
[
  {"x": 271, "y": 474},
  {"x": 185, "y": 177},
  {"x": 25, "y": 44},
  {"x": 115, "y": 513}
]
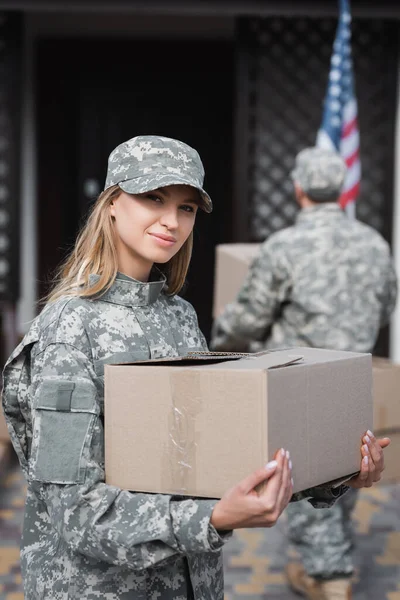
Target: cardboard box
[
  {"x": 391, "y": 474},
  {"x": 197, "y": 428},
  {"x": 232, "y": 263},
  {"x": 386, "y": 381},
  {"x": 4, "y": 437}
]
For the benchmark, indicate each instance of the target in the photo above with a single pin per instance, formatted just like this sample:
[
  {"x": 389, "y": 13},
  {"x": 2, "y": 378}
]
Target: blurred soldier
[{"x": 326, "y": 282}]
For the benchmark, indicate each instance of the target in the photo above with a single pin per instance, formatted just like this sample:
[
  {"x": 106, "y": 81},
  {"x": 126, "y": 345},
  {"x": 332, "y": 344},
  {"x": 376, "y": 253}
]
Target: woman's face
[{"x": 152, "y": 227}]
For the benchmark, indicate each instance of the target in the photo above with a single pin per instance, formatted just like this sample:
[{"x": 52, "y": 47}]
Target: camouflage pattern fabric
[
  {"x": 148, "y": 162},
  {"x": 326, "y": 282},
  {"x": 83, "y": 539},
  {"x": 324, "y": 538}
]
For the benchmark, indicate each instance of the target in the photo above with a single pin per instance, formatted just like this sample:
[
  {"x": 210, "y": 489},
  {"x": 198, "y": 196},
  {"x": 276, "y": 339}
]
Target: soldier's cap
[
  {"x": 320, "y": 173},
  {"x": 148, "y": 162}
]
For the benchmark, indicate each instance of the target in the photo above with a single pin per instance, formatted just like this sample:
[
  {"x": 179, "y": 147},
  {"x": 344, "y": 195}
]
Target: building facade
[{"x": 241, "y": 81}]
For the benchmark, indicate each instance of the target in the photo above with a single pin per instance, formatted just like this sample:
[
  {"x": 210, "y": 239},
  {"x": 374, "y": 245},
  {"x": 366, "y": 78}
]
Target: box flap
[
  {"x": 189, "y": 359},
  {"x": 272, "y": 360},
  {"x": 276, "y": 360}
]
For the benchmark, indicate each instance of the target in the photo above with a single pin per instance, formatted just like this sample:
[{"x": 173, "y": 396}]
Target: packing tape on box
[{"x": 179, "y": 462}]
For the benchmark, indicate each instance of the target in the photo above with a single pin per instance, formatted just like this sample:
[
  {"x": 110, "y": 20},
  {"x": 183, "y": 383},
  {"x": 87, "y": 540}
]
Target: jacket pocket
[{"x": 64, "y": 416}]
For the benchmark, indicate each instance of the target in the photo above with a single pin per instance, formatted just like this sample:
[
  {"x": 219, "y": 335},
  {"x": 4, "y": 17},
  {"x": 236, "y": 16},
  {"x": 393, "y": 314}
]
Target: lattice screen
[
  {"x": 10, "y": 117},
  {"x": 288, "y": 67}
]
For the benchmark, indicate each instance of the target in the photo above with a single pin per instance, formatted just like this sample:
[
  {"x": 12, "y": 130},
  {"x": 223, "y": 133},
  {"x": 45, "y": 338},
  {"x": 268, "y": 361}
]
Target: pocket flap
[{"x": 66, "y": 396}]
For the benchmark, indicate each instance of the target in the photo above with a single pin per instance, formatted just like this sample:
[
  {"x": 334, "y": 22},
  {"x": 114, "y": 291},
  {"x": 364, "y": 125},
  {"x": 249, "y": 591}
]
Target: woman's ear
[{"x": 112, "y": 208}]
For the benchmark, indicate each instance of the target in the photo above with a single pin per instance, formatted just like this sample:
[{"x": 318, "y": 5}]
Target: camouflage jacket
[
  {"x": 326, "y": 282},
  {"x": 83, "y": 539}
]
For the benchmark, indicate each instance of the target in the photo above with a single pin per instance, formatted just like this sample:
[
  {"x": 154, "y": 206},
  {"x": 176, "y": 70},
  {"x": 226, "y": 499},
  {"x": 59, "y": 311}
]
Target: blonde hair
[{"x": 94, "y": 253}]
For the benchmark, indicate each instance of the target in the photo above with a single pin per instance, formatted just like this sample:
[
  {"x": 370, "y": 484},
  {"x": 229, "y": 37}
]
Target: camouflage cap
[
  {"x": 147, "y": 162},
  {"x": 320, "y": 173}
]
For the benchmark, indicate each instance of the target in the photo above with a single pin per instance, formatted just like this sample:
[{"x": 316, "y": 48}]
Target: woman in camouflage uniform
[{"x": 83, "y": 539}]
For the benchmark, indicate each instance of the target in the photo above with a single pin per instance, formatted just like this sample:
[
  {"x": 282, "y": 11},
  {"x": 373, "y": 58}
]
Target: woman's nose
[{"x": 169, "y": 219}]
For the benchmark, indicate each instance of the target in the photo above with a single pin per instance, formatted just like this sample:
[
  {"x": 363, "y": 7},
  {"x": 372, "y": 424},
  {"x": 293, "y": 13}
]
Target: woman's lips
[{"x": 163, "y": 240}]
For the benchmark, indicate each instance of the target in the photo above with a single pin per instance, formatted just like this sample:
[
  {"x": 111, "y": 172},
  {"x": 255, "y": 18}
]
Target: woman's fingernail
[
  {"x": 283, "y": 452},
  {"x": 271, "y": 465},
  {"x": 365, "y": 447},
  {"x": 292, "y": 482},
  {"x": 367, "y": 439},
  {"x": 287, "y": 454},
  {"x": 370, "y": 433},
  {"x": 365, "y": 460},
  {"x": 290, "y": 464}
]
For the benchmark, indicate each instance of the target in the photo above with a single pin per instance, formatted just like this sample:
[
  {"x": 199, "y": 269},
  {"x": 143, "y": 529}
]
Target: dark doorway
[{"x": 103, "y": 92}]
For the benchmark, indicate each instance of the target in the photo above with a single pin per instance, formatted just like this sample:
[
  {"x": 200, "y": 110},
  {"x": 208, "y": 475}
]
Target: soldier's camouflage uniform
[
  {"x": 326, "y": 282},
  {"x": 83, "y": 539}
]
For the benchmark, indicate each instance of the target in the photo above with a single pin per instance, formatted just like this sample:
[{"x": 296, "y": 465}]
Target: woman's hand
[
  {"x": 243, "y": 506},
  {"x": 372, "y": 463}
]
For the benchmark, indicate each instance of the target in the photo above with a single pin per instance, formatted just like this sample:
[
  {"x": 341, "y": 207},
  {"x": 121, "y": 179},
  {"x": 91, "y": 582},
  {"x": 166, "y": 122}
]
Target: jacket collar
[
  {"x": 130, "y": 292},
  {"x": 326, "y": 211}
]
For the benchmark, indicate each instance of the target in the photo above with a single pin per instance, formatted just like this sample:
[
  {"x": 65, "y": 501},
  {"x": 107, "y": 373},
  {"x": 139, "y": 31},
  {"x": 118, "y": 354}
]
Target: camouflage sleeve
[
  {"x": 321, "y": 496},
  {"x": 195, "y": 328},
  {"x": 188, "y": 323},
  {"x": 389, "y": 295},
  {"x": 67, "y": 466},
  {"x": 248, "y": 318}
]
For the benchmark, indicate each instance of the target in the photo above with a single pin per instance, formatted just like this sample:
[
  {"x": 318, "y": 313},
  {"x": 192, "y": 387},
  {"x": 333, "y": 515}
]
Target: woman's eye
[
  {"x": 154, "y": 198},
  {"x": 187, "y": 208}
]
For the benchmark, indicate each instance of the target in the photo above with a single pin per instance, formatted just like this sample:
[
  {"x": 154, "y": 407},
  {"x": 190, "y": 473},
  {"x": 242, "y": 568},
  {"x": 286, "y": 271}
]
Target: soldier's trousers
[{"x": 323, "y": 537}]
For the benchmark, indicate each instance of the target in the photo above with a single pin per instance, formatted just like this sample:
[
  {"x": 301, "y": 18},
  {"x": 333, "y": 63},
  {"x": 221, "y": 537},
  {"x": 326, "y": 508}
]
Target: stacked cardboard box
[
  {"x": 196, "y": 427},
  {"x": 231, "y": 267},
  {"x": 386, "y": 393}
]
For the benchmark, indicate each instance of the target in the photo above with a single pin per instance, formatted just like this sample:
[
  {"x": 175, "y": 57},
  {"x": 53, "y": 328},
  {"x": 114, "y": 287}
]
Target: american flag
[{"x": 339, "y": 128}]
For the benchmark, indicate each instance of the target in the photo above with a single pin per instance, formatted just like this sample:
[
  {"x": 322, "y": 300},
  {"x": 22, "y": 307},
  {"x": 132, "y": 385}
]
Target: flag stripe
[
  {"x": 352, "y": 176},
  {"x": 349, "y": 127},
  {"x": 350, "y": 195},
  {"x": 350, "y": 144},
  {"x": 352, "y": 158}
]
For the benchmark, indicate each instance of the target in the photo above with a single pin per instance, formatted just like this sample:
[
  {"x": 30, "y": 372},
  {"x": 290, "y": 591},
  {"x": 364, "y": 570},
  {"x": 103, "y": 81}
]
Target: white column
[
  {"x": 26, "y": 309},
  {"x": 395, "y": 324}
]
